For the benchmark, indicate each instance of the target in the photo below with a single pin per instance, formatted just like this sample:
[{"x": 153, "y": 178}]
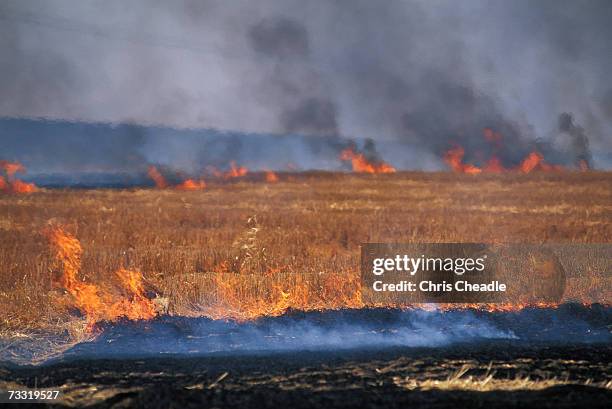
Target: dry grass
[
  {"x": 308, "y": 228},
  {"x": 460, "y": 380}
]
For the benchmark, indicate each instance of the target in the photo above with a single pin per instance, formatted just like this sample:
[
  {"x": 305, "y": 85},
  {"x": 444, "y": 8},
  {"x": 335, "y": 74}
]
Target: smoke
[
  {"x": 414, "y": 77},
  {"x": 579, "y": 143},
  {"x": 372, "y": 329}
]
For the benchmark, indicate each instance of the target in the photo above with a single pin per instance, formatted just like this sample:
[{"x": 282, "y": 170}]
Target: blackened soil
[{"x": 333, "y": 379}]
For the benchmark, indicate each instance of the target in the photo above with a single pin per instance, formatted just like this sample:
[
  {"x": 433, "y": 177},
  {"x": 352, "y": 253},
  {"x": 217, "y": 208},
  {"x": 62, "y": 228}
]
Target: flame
[
  {"x": 235, "y": 171},
  {"x": 11, "y": 168},
  {"x": 158, "y": 178},
  {"x": 454, "y": 159},
  {"x": 278, "y": 291},
  {"x": 19, "y": 186},
  {"x": 96, "y": 303},
  {"x": 10, "y": 184},
  {"x": 360, "y": 163},
  {"x": 233, "y": 295},
  {"x": 162, "y": 183},
  {"x": 191, "y": 184},
  {"x": 271, "y": 177},
  {"x": 532, "y": 162}
]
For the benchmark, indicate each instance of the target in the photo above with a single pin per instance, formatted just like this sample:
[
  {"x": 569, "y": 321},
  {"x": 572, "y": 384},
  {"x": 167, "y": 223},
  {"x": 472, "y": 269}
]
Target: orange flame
[
  {"x": 158, "y": 178},
  {"x": 191, "y": 185},
  {"x": 533, "y": 161},
  {"x": 454, "y": 159},
  {"x": 98, "y": 304},
  {"x": 271, "y": 177},
  {"x": 12, "y": 185},
  {"x": 360, "y": 164},
  {"x": 162, "y": 183},
  {"x": 19, "y": 186},
  {"x": 276, "y": 291},
  {"x": 235, "y": 171},
  {"x": 494, "y": 165}
]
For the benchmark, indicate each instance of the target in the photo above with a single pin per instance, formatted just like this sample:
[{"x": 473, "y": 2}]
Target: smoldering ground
[
  {"x": 415, "y": 77},
  {"x": 369, "y": 328}
]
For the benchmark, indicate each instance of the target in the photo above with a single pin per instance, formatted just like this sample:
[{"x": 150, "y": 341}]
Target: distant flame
[
  {"x": 162, "y": 183},
  {"x": 271, "y": 177},
  {"x": 531, "y": 162},
  {"x": 454, "y": 159},
  {"x": 534, "y": 161},
  {"x": 96, "y": 303},
  {"x": 360, "y": 163},
  {"x": 158, "y": 178},
  {"x": 10, "y": 184},
  {"x": 235, "y": 171},
  {"x": 191, "y": 184}
]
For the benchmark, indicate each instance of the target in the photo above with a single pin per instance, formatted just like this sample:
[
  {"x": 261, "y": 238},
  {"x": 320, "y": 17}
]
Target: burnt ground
[
  {"x": 331, "y": 379},
  {"x": 535, "y": 358}
]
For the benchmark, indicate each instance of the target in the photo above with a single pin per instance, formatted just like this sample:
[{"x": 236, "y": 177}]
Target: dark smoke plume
[
  {"x": 414, "y": 77},
  {"x": 579, "y": 141}
]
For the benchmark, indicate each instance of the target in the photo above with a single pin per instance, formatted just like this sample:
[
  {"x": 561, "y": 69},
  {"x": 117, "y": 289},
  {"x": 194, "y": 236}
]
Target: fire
[
  {"x": 534, "y": 161},
  {"x": 235, "y": 171},
  {"x": 97, "y": 303},
  {"x": 158, "y": 178},
  {"x": 19, "y": 186},
  {"x": 360, "y": 163},
  {"x": 191, "y": 184},
  {"x": 531, "y": 162},
  {"x": 10, "y": 184},
  {"x": 454, "y": 159},
  {"x": 494, "y": 165},
  {"x": 271, "y": 177},
  {"x": 162, "y": 183},
  {"x": 244, "y": 296}
]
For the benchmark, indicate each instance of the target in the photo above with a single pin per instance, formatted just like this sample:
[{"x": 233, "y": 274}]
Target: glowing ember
[
  {"x": 360, "y": 163},
  {"x": 494, "y": 165},
  {"x": 96, "y": 303}
]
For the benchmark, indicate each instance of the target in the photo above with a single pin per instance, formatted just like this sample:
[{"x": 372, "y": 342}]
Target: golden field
[{"x": 251, "y": 248}]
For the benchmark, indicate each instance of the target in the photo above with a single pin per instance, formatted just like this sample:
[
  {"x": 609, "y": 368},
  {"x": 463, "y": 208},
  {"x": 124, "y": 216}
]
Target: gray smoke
[
  {"x": 579, "y": 142},
  {"x": 413, "y": 76}
]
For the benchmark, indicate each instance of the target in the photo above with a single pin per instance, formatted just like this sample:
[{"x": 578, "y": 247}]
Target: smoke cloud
[
  {"x": 414, "y": 77},
  {"x": 372, "y": 329}
]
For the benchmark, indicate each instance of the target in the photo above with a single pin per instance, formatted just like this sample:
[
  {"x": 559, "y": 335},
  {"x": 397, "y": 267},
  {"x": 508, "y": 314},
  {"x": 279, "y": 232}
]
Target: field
[
  {"x": 247, "y": 249},
  {"x": 310, "y": 226}
]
